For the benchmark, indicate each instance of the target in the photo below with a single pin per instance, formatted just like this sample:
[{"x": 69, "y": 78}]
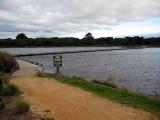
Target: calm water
[{"x": 136, "y": 69}]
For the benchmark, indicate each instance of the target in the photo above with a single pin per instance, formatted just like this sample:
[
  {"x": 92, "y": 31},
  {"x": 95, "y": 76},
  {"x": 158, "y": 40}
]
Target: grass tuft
[
  {"x": 9, "y": 90},
  {"x": 8, "y": 63},
  {"x": 47, "y": 116},
  {"x": 22, "y": 105},
  {"x": 2, "y": 105},
  {"x": 40, "y": 74}
]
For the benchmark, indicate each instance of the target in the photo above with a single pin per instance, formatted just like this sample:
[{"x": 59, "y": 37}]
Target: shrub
[
  {"x": 22, "y": 105},
  {"x": 9, "y": 89},
  {"x": 8, "y": 63},
  {"x": 1, "y": 79},
  {"x": 4, "y": 79},
  {"x": 2, "y": 105}
]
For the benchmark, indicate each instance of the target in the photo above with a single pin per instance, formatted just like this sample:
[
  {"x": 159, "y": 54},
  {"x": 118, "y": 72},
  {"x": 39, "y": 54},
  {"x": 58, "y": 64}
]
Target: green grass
[{"x": 146, "y": 103}]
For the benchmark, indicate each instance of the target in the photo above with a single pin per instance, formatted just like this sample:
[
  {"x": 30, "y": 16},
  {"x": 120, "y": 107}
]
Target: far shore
[{"x": 81, "y": 51}]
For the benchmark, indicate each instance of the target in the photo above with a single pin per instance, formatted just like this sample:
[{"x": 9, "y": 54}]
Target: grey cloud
[{"x": 56, "y": 17}]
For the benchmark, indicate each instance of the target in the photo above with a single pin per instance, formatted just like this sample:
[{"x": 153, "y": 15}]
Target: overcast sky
[{"x": 50, "y": 18}]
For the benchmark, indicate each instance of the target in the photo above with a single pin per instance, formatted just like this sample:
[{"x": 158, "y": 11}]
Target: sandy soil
[{"x": 70, "y": 103}]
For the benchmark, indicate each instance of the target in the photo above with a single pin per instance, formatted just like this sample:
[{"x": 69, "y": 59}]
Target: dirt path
[{"x": 70, "y": 103}]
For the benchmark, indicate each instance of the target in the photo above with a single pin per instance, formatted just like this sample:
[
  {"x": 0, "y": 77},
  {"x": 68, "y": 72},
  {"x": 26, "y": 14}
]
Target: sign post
[{"x": 57, "y": 62}]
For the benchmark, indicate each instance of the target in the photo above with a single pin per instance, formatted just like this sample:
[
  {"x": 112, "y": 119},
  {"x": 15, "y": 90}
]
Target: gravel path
[{"x": 70, "y": 103}]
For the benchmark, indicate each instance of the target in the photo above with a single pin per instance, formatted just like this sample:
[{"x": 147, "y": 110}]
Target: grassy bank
[{"x": 146, "y": 103}]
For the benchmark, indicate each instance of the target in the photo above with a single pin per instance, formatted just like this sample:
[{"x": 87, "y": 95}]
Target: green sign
[{"x": 57, "y": 61}]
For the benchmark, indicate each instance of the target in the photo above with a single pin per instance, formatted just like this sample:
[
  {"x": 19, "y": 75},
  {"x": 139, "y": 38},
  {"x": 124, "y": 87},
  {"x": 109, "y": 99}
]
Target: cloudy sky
[{"x": 50, "y": 18}]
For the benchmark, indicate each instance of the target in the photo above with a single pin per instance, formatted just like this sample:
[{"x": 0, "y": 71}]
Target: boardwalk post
[{"x": 57, "y": 61}]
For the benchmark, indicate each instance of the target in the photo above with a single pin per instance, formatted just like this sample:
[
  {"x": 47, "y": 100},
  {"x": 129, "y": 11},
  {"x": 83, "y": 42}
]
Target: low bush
[
  {"x": 8, "y": 63},
  {"x": 2, "y": 105},
  {"x": 22, "y": 105},
  {"x": 9, "y": 89},
  {"x": 4, "y": 79},
  {"x": 1, "y": 79}
]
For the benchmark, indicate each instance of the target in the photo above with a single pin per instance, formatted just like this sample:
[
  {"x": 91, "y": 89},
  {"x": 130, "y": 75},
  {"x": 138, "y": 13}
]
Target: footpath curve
[{"x": 70, "y": 103}]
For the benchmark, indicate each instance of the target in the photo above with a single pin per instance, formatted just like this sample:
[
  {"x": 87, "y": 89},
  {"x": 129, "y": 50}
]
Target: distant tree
[
  {"x": 88, "y": 36},
  {"x": 21, "y": 36}
]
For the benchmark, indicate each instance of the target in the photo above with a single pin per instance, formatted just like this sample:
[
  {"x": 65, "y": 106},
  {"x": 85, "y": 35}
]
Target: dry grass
[{"x": 8, "y": 63}]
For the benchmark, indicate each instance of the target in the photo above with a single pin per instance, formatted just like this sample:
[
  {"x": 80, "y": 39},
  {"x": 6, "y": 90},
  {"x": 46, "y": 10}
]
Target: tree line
[{"x": 23, "y": 41}]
